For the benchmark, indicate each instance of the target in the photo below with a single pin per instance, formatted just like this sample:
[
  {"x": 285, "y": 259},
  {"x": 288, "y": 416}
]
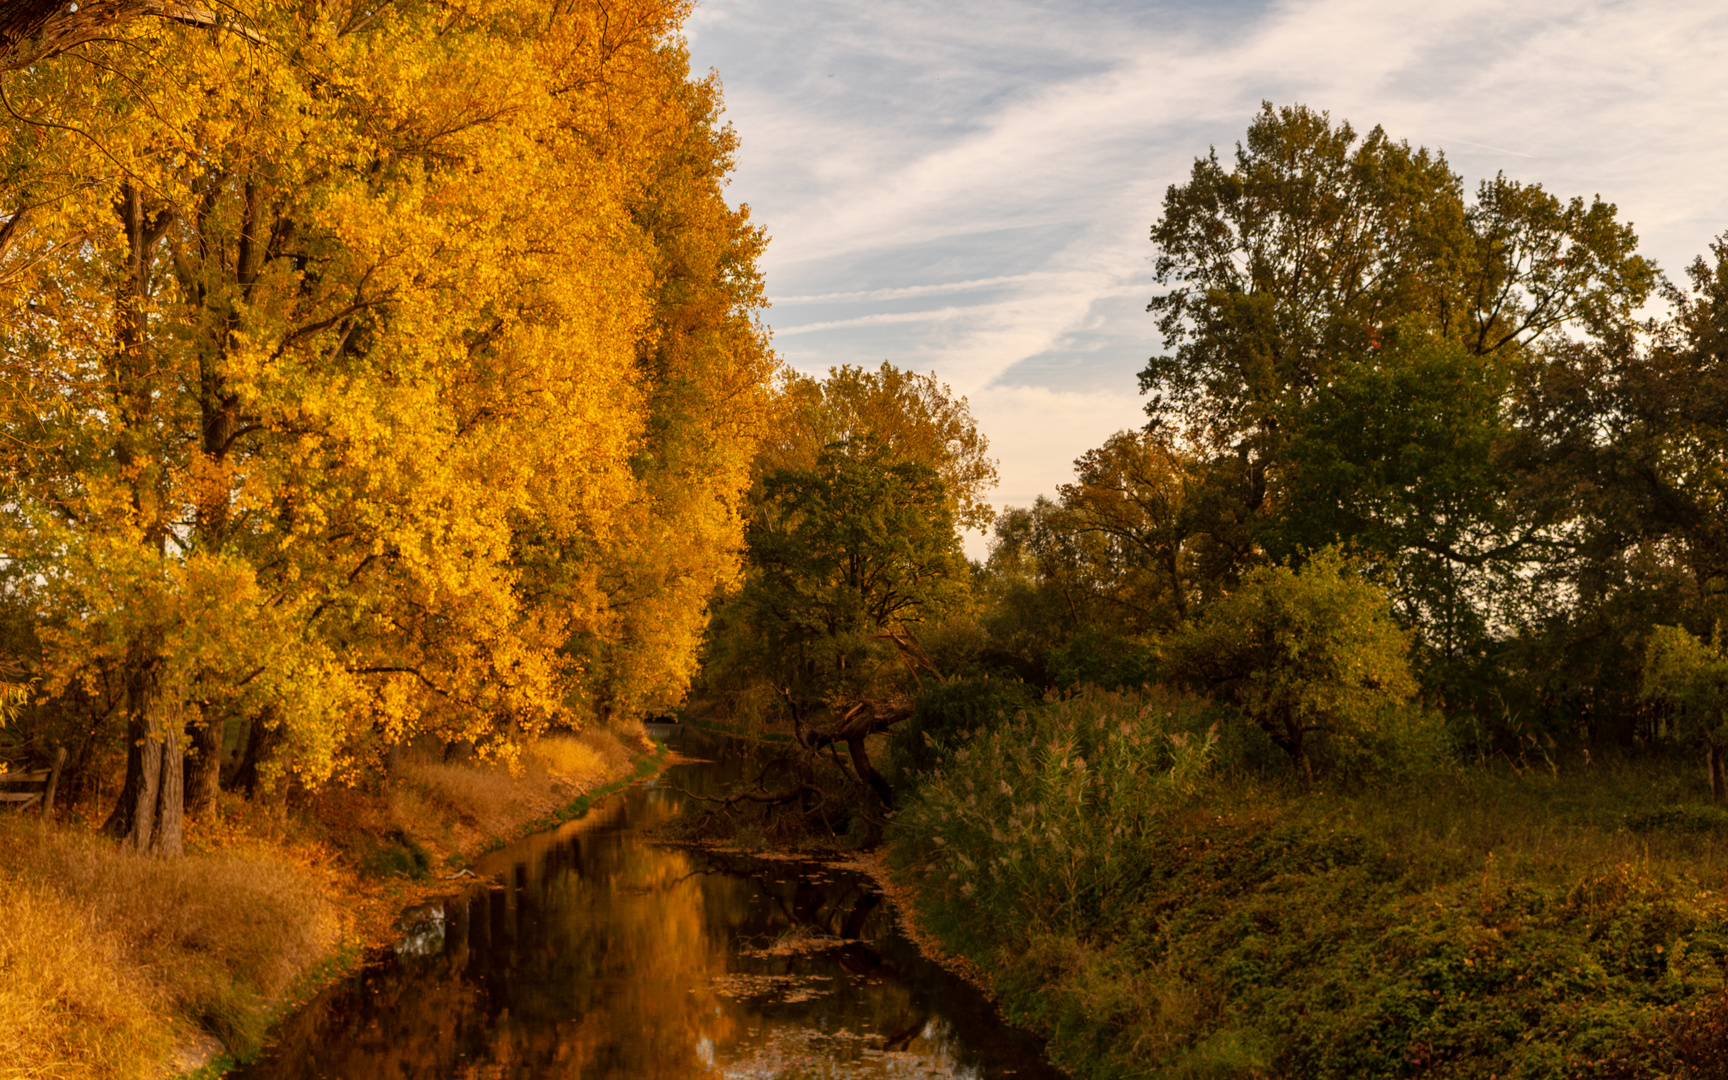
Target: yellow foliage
[{"x": 376, "y": 375}]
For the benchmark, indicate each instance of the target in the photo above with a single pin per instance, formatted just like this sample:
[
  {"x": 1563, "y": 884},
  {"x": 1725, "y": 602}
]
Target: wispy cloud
[
  {"x": 905, "y": 153},
  {"x": 911, "y": 291},
  {"x": 886, "y": 318}
]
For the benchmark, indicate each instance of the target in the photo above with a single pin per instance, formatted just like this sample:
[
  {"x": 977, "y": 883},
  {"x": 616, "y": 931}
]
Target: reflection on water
[{"x": 594, "y": 952}]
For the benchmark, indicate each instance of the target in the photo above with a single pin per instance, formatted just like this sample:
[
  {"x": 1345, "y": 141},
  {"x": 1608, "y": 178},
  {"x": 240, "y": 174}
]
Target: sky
[{"x": 967, "y": 188}]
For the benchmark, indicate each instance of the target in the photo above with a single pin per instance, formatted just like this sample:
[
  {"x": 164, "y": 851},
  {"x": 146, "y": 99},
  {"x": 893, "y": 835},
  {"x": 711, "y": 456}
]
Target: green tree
[
  {"x": 859, "y": 545},
  {"x": 1349, "y": 342},
  {"x": 1299, "y": 652},
  {"x": 1692, "y": 676}
]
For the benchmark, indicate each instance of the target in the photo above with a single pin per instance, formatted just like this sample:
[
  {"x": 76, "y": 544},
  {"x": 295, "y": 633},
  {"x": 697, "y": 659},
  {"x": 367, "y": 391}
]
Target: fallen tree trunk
[{"x": 866, "y": 718}]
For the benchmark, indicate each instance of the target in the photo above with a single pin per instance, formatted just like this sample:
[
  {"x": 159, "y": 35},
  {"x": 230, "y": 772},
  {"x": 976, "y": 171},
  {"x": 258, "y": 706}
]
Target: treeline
[
  {"x": 1422, "y": 481},
  {"x": 1461, "y": 395},
  {"x": 1346, "y": 721},
  {"x": 370, "y": 372}
]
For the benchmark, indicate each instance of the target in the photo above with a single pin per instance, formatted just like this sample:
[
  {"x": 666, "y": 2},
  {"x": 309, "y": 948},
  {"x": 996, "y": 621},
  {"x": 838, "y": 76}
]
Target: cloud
[
  {"x": 967, "y": 187},
  {"x": 912, "y": 290}
]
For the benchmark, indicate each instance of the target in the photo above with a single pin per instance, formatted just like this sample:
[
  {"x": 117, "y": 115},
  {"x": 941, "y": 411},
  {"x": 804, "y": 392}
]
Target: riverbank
[
  {"x": 121, "y": 966},
  {"x": 1159, "y": 903}
]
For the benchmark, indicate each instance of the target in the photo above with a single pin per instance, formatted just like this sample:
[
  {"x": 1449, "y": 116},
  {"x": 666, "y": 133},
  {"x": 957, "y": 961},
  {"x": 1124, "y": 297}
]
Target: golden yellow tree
[{"x": 329, "y": 400}]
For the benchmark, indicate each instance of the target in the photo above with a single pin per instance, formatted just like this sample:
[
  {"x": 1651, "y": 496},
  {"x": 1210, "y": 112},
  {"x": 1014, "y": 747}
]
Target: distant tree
[
  {"x": 1318, "y": 247},
  {"x": 909, "y": 416},
  {"x": 858, "y": 545},
  {"x": 1692, "y": 676},
  {"x": 1299, "y": 652},
  {"x": 1626, "y": 439},
  {"x": 1355, "y": 335},
  {"x": 1153, "y": 506}
]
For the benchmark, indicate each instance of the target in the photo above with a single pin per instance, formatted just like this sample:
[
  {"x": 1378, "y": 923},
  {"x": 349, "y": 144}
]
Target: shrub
[
  {"x": 1305, "y": 651},
  {"x": 1045, "y": 812},
  {"x": 948, "y": 715},
  {"x": 1473, "y": 925},
  {"x": 1692, "y": 677}
]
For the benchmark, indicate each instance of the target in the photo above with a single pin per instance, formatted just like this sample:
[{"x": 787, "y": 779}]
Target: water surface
[{"x": 597, "y": 951}]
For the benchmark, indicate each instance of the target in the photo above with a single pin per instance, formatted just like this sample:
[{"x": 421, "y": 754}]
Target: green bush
[
  {"x": 1045, "y": 813},
  {"x": 1311, "y": 655},
  {"x": 396, "y": 854},
  {"x": 1093, "y": 658}
]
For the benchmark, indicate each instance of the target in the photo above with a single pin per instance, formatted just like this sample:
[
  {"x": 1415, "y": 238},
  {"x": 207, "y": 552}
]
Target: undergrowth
[
  {"x": 1145, "y": 884},
  {"x": 115, "y": 957}
]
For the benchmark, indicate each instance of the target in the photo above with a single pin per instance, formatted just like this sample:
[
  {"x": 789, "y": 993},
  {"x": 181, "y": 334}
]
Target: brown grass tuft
[
  {"x": 69, "y": 1003},
  {"x": 159, "y": 947}
]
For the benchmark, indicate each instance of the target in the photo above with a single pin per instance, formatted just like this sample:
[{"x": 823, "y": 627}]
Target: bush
[
  {"x": 1093, "y": 658},
  {"x": 1303, "y": 652},
  {"x": 1045, "y": 813}
]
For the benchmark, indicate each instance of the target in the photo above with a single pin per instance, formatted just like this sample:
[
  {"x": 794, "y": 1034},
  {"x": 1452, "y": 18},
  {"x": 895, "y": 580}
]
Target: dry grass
[
  {"x": 485, "y": 800},
  {"x": 112, "y": 958},
  {"x": 69, "y": 1004}
]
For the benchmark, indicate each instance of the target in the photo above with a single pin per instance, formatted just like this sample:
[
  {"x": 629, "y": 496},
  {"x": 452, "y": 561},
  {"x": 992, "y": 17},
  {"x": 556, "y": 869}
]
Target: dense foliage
[
  {"x": 853, "y": 546},
  {"x": 1455, "y": 392},
  {"x": 368, "y": 372}
]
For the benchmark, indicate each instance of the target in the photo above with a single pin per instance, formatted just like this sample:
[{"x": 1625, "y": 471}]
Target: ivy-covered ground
[{"x": 1149, "y": 885}]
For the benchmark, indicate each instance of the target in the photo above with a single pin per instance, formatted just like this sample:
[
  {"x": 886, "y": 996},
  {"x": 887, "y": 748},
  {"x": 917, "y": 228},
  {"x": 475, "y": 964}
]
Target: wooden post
[{"x": 53, "y": 782}]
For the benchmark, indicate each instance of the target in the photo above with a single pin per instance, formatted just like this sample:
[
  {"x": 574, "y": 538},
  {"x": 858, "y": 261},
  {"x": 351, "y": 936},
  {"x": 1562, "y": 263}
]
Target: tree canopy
[{"x": 371, "y": 372}]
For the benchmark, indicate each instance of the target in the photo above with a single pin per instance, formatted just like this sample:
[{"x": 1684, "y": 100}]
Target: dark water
[{"x": 594, "y": 951}]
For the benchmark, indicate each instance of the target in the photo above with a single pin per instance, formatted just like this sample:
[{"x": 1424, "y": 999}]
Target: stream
[{"x": 596, "y": 951}]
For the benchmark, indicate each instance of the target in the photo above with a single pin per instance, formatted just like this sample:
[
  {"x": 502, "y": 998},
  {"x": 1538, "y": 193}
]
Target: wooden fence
[{"x": 43, "y": 781}]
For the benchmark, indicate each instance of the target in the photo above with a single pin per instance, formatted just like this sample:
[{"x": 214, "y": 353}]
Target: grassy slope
[
  {"x": 119, "y": 965},
  {"x": 1478, "y": 922}
]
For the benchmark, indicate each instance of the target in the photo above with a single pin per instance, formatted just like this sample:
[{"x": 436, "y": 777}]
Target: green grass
[
  {"x": 339, "y": 964},
  {"x": 1464, "y": 922}
]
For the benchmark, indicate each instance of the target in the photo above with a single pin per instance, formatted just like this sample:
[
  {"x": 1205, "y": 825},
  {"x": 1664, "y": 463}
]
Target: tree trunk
[
  {"x": 204, "y": 766},
  {"x": 35, "y": 30},
  {"x": 265, "y": 737},
  {"x": 150, "y": 810},
  {"x": 1713, "y": 762},
  {"x": 867, "y": 772},
  {"x": 171, "y": 792}
]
